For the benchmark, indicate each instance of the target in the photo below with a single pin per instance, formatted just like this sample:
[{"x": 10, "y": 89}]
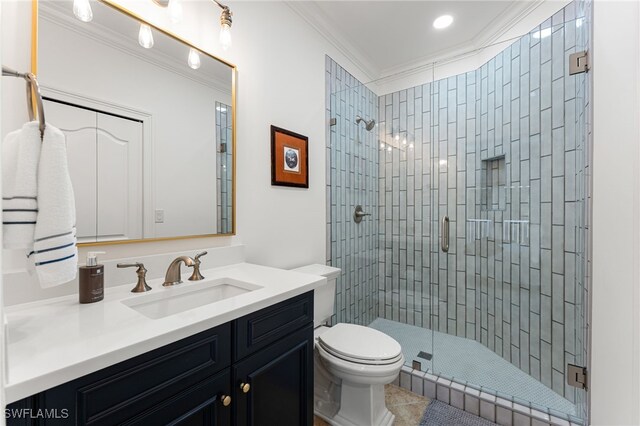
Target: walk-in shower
[{"x": 500, "y": 151}]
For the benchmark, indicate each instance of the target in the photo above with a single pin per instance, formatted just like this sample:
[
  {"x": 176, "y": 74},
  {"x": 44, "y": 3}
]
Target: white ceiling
[{"x": 387, "y": 37}]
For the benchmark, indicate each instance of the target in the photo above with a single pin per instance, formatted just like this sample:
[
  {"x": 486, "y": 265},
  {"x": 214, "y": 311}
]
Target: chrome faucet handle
[
  {"x": 142, "y": 285},
  {"x": 174, "y": 276},
  {"x": 197, "y": 276}
]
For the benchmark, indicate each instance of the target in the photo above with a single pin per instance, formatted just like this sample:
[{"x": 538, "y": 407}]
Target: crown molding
[
  {"x": 492, "y": 34},
  {"x": 58, "y": 15},
  {"x": 319, "y": 21},
  {"x": 508, "y": 19}
]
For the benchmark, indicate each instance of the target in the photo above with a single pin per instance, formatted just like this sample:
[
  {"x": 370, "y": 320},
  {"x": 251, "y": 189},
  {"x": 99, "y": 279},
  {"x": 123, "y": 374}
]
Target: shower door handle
[{"x": 444, "y": 239}]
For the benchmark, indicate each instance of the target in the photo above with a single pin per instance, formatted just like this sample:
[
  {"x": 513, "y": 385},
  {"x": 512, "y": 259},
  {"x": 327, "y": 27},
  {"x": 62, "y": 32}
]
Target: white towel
[
  {"x": 20, "y": 157},
  {"x": 54, "y": 251}
]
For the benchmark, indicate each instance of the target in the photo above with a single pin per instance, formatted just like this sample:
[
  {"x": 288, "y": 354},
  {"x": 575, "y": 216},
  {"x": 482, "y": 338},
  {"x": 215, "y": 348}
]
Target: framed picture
[{"x": 289, "y": 158}]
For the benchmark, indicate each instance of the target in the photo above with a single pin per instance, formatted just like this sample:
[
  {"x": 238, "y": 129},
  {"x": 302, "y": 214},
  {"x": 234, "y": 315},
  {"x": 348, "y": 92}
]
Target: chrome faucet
[{"x": 173, "y": 275}]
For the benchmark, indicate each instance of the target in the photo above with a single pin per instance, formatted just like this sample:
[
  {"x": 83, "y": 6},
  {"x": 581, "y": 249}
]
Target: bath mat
[{"x": 440, "y": 414}]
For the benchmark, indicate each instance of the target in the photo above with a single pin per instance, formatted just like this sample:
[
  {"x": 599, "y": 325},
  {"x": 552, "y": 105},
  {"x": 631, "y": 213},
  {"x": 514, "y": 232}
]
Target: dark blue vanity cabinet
[{"x": 256, "y": 370}]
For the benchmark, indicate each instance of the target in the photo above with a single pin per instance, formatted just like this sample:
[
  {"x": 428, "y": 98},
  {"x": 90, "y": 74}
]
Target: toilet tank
[{"x": 324, "y": 296}]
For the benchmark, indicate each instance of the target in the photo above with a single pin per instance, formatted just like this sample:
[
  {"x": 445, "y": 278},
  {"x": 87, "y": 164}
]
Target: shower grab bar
[{"x": 444, "y": 240}]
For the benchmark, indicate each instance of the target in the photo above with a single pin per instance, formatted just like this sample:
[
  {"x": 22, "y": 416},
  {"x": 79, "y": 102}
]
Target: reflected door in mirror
[{"x": 105, "y": 157}]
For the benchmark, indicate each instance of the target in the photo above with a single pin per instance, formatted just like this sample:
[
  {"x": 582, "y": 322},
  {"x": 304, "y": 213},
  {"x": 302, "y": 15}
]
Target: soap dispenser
[{"x": 92, "y": 279}]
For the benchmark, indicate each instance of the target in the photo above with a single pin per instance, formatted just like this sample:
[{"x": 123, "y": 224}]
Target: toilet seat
[{"x": 360, "y": 345}]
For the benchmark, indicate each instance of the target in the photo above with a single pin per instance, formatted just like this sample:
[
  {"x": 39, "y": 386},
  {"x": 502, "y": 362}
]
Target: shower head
[{"x": 369, "y": 124}]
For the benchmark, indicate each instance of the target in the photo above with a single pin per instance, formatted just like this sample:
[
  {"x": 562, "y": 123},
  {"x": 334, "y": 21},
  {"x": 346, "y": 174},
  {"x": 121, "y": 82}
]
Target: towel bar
[{"x": 33, "y": 88}]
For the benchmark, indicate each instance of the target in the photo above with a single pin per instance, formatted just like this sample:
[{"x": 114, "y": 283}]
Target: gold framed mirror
[{"x": 150, "y": 124}]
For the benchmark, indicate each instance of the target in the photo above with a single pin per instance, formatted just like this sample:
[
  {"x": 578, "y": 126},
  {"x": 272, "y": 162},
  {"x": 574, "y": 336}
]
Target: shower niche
[{"x": 494, "y": 194}]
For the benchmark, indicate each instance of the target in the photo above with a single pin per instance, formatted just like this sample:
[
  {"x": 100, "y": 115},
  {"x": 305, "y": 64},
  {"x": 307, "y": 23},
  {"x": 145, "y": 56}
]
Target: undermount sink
[{"x": 171, "y": 301}]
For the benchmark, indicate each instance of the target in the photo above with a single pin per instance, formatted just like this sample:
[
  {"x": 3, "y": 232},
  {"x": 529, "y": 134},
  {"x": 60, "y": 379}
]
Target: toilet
[{"x": 352, "y": 363}]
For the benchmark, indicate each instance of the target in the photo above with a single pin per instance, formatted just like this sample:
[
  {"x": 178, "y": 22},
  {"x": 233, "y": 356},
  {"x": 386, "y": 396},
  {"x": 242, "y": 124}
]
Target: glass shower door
[
  {"x": 509, "y": 207},
  {"x": 352, "y": 161},
  {"x": 404, "y": 135}
]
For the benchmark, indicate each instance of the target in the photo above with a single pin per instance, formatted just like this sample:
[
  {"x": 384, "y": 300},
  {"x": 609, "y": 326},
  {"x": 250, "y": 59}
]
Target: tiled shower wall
[
  {"x": 224, "y": 164},
  {"x": 352, "y": 179},
  {"x": 502, "y": 152}
]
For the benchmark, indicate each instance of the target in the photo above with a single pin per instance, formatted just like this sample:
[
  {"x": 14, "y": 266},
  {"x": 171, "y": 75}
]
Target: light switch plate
[{"x": 159, "y": 216}]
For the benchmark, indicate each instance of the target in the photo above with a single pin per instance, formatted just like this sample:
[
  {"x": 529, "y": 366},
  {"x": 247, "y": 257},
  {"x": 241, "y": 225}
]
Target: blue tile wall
[
  {"x": 503, "y": 151},
  {"x": 352, "y": 179},
  {"x": 224, "y": 164}
]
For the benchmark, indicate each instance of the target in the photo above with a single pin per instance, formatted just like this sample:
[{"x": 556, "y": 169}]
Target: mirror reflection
[{"x": 148, "y": 121}]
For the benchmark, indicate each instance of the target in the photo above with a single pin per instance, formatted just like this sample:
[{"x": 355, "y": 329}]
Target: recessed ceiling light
[{"x": 442, "y": 22}]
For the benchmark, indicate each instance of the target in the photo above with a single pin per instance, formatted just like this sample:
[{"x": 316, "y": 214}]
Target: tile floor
[
  {"x": 406, "y": 406},
  {"x": 468, "y": 361}
]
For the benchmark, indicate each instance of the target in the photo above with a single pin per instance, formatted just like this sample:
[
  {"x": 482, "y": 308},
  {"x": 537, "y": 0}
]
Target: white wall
[
  {"x": 615, "y": 362},
  {"x": 280, "y": 81}
]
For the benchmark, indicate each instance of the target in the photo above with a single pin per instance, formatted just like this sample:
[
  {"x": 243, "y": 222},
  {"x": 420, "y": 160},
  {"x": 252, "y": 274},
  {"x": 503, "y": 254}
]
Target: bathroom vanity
[
  {"x": 255, "y": 370},
  {"x": 243, "y": 360}
]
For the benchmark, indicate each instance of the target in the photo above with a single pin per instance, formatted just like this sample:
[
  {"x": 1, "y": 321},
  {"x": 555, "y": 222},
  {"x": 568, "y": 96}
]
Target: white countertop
[{"x": 54, "y": 341}]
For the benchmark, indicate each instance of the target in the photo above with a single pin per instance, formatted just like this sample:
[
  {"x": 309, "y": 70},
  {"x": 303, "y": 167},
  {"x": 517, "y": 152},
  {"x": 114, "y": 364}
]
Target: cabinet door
[
  {"x": 184, "y": 379},
  {"x": 200, "y": 405},
  {"x": 280, "y": 377},
  {"x": 105, "y": 164}
]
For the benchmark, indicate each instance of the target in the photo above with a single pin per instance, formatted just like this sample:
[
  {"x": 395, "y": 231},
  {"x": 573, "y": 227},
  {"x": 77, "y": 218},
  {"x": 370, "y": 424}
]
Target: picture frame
[{"x": 289, "y": 158}]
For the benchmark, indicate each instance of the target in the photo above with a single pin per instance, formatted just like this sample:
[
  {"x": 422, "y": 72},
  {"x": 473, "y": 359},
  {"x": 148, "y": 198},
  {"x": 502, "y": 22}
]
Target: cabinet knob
[
  {"x": 226, "y": 400},
  {"x": 245, "y": 387}
]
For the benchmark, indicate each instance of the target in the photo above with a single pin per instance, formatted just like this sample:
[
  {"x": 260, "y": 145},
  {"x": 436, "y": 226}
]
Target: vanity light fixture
[
  {"x": 442, "y": 22},
  {"x": 225, "y": 25},
  {"x": 194, "y": 59},
  {"x": 145, "y": 36},
  {"x": 175, "y": 10},
  {"x": 82, "y": 10}
]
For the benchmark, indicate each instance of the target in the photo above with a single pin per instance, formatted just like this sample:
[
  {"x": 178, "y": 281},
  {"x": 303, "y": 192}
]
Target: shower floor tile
[{"x": 470, "y": 362}]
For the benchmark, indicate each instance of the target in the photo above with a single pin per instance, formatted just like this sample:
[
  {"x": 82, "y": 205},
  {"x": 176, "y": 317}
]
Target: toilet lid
[{"x": 359, "y": 343}]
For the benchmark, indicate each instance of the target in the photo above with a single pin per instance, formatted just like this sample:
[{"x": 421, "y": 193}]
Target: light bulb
[
  {"x": 381, "y": 145},
  {"x": 145, "y": 37},
  {"x": 175, "y": 11},
  {"x": 389, "y": 149},
  {"x": 225, "y": 36},
  {"x": 194, "y": 59},
  {"x": 82, "y": 10},
  {"x": 404, "y": 141}
]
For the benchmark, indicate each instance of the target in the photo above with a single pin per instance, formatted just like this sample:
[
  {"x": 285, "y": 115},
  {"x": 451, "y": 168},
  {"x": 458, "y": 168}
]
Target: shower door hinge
[
  {"x": 578, "y": 62},
  {"x": 577, "y": 376}
]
